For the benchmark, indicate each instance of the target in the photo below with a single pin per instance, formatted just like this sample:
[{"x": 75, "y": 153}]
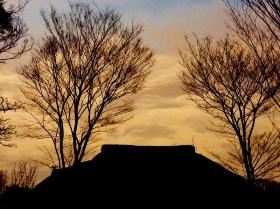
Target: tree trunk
[
  {"x": 61, "y": 143},
  {"x": 248, "y": 165}
]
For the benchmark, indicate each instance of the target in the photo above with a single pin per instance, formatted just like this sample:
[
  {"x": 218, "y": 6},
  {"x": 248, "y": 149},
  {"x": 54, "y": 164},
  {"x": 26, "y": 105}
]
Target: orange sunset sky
[{"x": 162, "y": 115}]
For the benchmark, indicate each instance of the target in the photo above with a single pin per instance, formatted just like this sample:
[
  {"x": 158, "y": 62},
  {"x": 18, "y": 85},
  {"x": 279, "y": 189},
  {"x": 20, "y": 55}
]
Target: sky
[{"x": 162, "y": 114}]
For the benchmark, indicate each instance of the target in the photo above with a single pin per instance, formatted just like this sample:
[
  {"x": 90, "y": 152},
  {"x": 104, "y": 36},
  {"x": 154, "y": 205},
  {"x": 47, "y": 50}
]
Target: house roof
[{"x": 143, "y": 171}]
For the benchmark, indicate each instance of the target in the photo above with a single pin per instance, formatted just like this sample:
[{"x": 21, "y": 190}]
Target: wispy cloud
[{"x": 162, "y": 114}]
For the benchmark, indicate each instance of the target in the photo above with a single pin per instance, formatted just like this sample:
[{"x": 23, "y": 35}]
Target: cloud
[
  {"x": 162, "y": 116},
  {"x": 170, "y": 27},
  {"x": 163, "y": 91},
  {"x": 149, "y": 131}
]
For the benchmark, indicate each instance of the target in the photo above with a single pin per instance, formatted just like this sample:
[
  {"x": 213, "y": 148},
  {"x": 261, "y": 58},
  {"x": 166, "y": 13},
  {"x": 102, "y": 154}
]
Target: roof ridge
[{"x": 143, "y": 148}]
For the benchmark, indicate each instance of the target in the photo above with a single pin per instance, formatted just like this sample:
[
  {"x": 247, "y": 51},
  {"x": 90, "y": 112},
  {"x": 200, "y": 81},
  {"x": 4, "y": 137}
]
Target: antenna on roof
[{"x": 193, "y": 142}]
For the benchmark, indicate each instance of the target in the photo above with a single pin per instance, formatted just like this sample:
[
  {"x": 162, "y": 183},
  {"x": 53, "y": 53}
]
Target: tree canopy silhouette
[
  {"x": 267, "y": 11},
  {"x": 265, "y": 150},
  {"x": 13, "y": 44},
  {"x": 256, "y": 23},
  {"x": 23, "y": 175},
  {"x": 79, "y": 78},
  {"x": 227, "y": 81},
  {"x": 13, "y": 32}
]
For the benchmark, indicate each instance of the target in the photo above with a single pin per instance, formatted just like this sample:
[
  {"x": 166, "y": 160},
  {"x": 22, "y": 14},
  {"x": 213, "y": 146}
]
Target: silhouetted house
[{"x": 140, "y": 174}]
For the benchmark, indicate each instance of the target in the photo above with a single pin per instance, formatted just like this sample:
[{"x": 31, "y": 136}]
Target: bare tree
[
  {"x": 268, "y": 11},
  {"x": 256, "y": 23},
  {"x": 13, "y": 32},
  {"x": 225, "y": 80},
  {"x": 6, "y": 129},
  {"x": 265, "y": 156},
  {"x": 23, "y": 175},
  {"x": 3, "y": 180},
  {"x": 13, "y": 44},
  {"x": 75, "y": 84}
]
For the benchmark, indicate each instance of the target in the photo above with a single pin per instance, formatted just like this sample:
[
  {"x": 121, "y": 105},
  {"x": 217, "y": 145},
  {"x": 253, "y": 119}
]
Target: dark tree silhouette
[
  {"x": 5, "y": 16},
  {"x": 76, "y": 83},
  {"x": 225, "y": 80},
  {"x": 13, "y": 44},
  {"x": 256, "y": 23},
  {"x": 6, "y": 129},
  {"x": 3, "y": 180},
  {"x": 13, "y": 32},
  {"x": 265, "y": 156},
  {"x": 268, "y": 11},
  {"x": 23, "y": 175}
]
